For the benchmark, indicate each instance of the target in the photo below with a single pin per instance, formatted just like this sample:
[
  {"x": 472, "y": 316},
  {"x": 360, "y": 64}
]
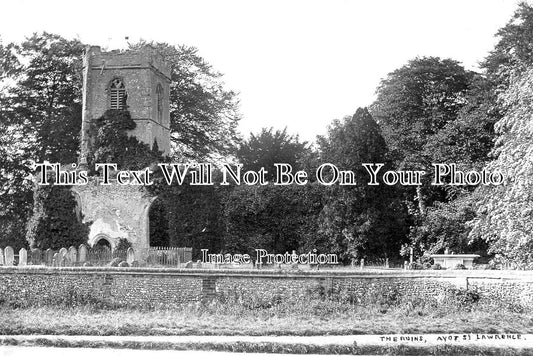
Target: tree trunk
[{"x": 421, "y": 203}]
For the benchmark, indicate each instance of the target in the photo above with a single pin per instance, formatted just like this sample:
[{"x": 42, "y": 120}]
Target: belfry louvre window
[
  {"x": 117, "y": 94},
  {"x": 159, "y": 92}
]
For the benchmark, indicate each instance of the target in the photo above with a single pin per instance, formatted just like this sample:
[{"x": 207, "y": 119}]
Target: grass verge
[{"x": 299, "y": 319}]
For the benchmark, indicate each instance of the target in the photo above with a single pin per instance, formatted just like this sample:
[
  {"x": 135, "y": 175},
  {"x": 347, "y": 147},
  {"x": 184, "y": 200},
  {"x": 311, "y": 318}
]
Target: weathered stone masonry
[
  {"x": 152, "y": 287},
  {"x": 116, "y": 212},
  {"x": 142, "y": 73},
  {"x": 137, "y": 81}
]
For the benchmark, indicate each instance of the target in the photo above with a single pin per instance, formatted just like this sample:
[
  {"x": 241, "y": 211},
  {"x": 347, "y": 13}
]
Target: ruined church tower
[{"x": 137, "y": 81}]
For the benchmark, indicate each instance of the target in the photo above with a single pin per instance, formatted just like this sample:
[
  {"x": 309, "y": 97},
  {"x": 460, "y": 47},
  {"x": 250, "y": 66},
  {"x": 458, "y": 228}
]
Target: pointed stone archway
[{"x": 103, "y": 240}]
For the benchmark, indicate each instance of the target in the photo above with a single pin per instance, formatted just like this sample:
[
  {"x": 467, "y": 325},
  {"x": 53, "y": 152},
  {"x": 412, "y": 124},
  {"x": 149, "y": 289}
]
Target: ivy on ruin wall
[
  {"x": 56, "y": 221},
  {"x": 114, "y": 145}
]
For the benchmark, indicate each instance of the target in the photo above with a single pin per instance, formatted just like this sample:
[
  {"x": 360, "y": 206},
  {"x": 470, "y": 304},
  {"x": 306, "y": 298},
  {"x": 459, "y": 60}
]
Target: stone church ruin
[{"x": 137, "y": 81}]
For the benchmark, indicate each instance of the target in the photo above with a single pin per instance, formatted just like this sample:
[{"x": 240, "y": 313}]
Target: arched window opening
[
  {"x": 103, "y": 244},
  {"x": 159, "y": 92},
  {"x": 117, "y": 94}
]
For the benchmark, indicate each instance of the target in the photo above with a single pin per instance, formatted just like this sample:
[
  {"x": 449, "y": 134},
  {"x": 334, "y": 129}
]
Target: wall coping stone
[{"x": 526, "y": 276}]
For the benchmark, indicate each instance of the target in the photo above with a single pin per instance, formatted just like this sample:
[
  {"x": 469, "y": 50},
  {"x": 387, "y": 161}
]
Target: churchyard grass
[{"x": 285, "y": 318}]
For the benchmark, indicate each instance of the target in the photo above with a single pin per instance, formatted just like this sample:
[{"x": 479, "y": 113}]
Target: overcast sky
[{"x": 298, "y": 64}]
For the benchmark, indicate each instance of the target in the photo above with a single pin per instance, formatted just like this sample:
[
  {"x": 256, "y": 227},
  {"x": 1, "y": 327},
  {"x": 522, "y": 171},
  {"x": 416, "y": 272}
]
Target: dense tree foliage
[
  {"x": 415, "y": 102},
  {"x": 276, "y": 218},
  {"x": 432, "y": 110},
  {"x": 446, "y": 226},
  {"x": 42, "y": 99},
  {"x": 270, "y": 147},
  {"x": 513, "y": 52},
  {"x": 360, "y": 220},
  {"x": 417, "y": 107},
  {"x": 40, "y": 110},
  {"x": 55, "y": 222},
  {"x": 505, "y": 215},
  {"x": 495, "y": 109}
]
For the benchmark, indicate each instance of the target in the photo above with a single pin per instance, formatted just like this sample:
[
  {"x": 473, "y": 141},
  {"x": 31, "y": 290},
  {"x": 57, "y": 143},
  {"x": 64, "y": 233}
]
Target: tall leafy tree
[
  {"x": 203, "y": 114},
  {"x": 513, "y": 52},
  {"x": 43, "y": 102},
  {"x": 469, "y": 138},
  {"x": 416, "y": 104},
  {"x": 505, "y": 213},
  {"x": 40, "y": 110},
  {"x": 360, "y": 220}
]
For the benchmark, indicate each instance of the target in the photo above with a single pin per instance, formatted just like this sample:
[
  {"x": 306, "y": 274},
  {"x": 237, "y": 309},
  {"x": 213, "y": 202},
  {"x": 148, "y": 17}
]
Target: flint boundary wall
[{"x": 149, "y": 287}]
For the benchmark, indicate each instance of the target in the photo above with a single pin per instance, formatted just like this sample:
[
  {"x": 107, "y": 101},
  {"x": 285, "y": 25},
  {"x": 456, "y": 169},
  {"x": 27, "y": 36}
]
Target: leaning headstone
[
  {"x": 72, "y": 255},
  {"x": 1, "y": 257},
  {"x": 49, "y": 257},
  {"x": 130, "y": 255},
  {"x": 23, "y": 257},
  {"x": 9, "y": 256},
  {"x": 63, "y": 252},
  {"x": 123, "y": 264},
  {"x": 82, "y": 254}
]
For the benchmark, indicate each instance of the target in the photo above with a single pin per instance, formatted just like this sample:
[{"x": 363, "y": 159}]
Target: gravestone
[
  {"x": 9, "y": 256},
  {"x": 130, "y": 256},
  {"x": 72, "y": 256},
  {"x": 1, "y": 257},
  {"x": 82, "y": 254},
  {"x": 62, "y": 258},
  {"x": 56, "y": 258},
  {"x": 49, "y": 257},
  {"x": 23, "y": 257},
  {"x": 36, "y": 256}
]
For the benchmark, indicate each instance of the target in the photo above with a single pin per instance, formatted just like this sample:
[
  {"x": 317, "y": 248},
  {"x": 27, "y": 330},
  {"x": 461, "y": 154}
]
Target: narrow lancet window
[{"x": 159, "y": 92}]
